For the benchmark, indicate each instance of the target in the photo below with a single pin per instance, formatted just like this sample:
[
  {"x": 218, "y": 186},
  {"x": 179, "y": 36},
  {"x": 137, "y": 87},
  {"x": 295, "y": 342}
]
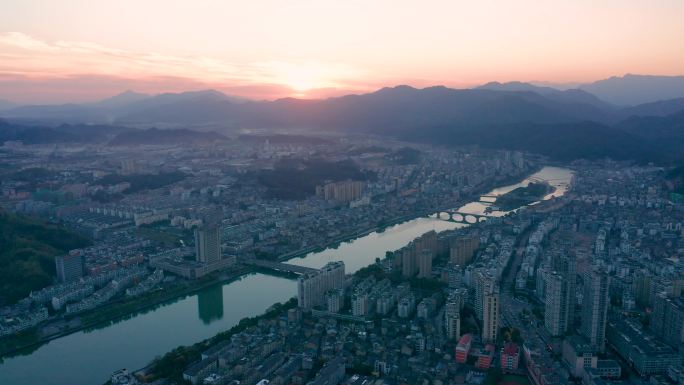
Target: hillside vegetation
[{"x": 27, "y": 250}]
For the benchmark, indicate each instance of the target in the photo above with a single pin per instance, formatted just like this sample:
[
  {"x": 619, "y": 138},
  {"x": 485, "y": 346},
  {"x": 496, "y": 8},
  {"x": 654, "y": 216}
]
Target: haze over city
[{"x": 341, "y": 192}]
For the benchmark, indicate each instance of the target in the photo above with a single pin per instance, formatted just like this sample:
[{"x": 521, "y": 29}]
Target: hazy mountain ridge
[
  {"x": 109, "y": 110},
  {"x": 65, "y": 133},
  {"x": 573, "y": 95},
  {"x": 636, "y": 89},
  {"x": 125, "y": 98},
  {"x": 664, "y": 129},
  {"x": 562, "y": 124},
  {"x": 102, "y": 134},
  {"x": 561, "y": 141},
  {"x": 393, "y": 110},
  {"x": 659, "y": 108},
  {"x": 592, "y": 101}
]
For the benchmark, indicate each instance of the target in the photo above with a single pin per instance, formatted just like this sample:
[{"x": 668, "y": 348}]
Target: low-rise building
[
  {"x": 648, "y": 354},
  {"x": 463, "y": 348},
  {"x": 510, "y": 356}
]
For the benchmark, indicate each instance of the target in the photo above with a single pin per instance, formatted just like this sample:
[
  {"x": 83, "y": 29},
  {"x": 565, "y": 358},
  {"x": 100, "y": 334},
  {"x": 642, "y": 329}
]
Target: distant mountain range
[
  {"x": 104, "y": 135},
  {"x": 563, "y": 124},
  {"x": 573, "y": 95},
  {"x": 123, "y": 107},
  {"x": 618, "y": 97},
  {"x": 630, "y": 90},
  {"x": 65, "y": 133},
  {"x": 618, "y": 92}
]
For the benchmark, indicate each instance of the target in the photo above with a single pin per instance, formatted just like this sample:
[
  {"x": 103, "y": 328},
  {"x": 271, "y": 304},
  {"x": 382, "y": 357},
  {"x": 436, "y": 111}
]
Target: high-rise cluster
[
  {"x": 312, "y": 287},
  {"x": 344, "y": 191},
  {"x": 416, "y": 258}
]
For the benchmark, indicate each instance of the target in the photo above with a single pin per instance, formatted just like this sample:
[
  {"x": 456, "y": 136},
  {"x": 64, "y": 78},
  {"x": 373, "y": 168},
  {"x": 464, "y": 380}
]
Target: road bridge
[{"x": 279, "y": 266}]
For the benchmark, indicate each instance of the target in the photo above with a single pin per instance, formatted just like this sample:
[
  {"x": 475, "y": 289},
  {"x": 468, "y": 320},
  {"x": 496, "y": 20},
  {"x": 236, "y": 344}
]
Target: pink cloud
[{"x": 35, "y": 71}]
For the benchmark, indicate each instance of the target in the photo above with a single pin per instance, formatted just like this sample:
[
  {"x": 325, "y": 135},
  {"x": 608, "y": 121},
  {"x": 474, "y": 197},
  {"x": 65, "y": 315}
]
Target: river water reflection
[{"x": 89, "y": 357}]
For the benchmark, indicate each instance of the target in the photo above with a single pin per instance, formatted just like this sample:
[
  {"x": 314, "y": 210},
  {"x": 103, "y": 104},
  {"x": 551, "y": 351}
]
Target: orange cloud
[{"x": 83, "y": 70}]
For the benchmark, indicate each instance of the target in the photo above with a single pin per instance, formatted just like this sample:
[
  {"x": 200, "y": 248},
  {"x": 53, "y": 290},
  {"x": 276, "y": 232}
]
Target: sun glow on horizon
[
  {"x": 299, "y": 79},
  {"x": 268, "y": 49},
  {"x": 308, "y": 75}
]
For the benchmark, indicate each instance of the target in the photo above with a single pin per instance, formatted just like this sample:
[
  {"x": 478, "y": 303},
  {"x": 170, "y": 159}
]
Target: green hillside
[{"x": 27, "y": 250}]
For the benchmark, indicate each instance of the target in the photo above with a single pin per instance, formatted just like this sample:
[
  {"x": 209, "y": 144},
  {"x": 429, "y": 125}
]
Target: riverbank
[
  {"x": 124, "y": 309},
  {"x": 117, "y": 311},
  {"x": 137, "y": 339},
  {"x": 172, "y": 364},
  {"x": 472, "y": 197},
  {"x": 185, "y": 351},
  {"x": 523, "y": 196}
]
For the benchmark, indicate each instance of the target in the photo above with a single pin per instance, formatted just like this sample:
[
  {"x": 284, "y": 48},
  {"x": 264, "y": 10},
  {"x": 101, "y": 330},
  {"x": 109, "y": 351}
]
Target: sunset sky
[{"x": 81, "y": 50}]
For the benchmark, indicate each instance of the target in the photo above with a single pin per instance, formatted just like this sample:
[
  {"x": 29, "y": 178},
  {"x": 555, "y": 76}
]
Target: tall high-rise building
[
  {"x": 463, "y": 249},
  {"x": 452, "y": 319},
  {"x": 425, "y": 264},
  {"x": 595, "y": 306},
  {"x": 484, "y": 283},
  {"x": 311, "y": 288},
  {"x": 409, "y": 267},
  {"x": 208, "y": 244},
  {"x": 427, "y": 241},
  {"x": 556, "y": 310},
  {"x": 491, "y": 314},
  {"x": 566, "y": 265},
  {"x": 540, "y": 284},
  {"x": 559, "y": 294},
  {"x": 641, "y": 286},
  {"x": 70, "y": 267},
  {"x": 416, "y": 257},
  {"x": 667, "y": 319},
  {"x": 344, "y": 191}
]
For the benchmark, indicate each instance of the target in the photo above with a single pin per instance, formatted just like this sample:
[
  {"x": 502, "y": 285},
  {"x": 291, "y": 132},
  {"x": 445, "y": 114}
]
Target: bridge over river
[
  {"x": 460, "y": 217},
  {"x": 191, "y": 318},
  {"x": 279, "y": 266}
]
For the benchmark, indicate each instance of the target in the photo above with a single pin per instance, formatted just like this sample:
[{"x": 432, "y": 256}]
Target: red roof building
[
  {"x": 463, "y": 348},
  {"x": 485, "y": 357},
  {"x": 510, "y": 356}
]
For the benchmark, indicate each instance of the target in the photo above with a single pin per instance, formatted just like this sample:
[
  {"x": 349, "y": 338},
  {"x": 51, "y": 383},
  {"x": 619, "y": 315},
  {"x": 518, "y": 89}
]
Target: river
[{"x": 89, "y": 357}]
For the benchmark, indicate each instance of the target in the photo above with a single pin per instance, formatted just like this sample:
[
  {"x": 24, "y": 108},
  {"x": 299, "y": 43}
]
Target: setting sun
[
  {"x": 306, "y": 76},
  {"x": 301, "y": 79}
]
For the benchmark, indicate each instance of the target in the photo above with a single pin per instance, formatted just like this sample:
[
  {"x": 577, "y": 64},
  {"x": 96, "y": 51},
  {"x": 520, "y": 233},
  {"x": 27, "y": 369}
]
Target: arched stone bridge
[{"x": 460, "y": 217}]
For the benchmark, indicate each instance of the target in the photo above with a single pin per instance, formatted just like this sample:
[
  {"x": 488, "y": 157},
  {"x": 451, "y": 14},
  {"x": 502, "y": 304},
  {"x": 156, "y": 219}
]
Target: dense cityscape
[
  {"x": 584, "y": 286},
  {"x": 386, "y": 192}
]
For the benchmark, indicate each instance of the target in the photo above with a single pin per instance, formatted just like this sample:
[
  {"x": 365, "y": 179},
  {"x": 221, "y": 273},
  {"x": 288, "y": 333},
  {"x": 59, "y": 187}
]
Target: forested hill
[{"x": 27, "y": 250}]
